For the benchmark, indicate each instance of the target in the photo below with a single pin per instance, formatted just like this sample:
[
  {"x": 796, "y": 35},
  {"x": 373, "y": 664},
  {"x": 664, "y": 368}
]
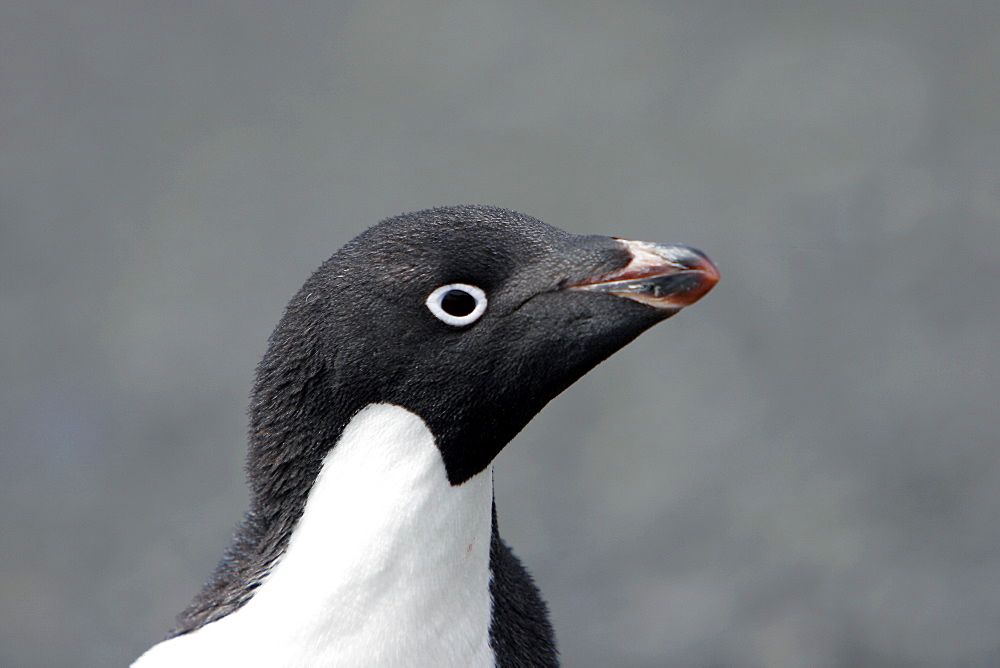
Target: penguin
[{"x": 395, "y": 376}]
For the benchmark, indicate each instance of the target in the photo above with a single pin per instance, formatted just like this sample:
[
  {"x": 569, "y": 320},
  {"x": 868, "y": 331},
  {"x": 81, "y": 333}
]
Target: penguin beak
[{"x": 664, "y": 276}]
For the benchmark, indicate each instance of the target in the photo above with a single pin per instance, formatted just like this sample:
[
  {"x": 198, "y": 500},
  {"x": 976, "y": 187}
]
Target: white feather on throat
[{"x": 388, "y": 566}]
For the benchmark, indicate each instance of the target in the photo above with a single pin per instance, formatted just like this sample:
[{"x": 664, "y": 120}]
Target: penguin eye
[{"x": 457, "y": 304}]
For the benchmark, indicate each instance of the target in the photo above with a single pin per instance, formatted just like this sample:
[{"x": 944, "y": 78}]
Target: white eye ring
[{"x": 435, "y": 302}]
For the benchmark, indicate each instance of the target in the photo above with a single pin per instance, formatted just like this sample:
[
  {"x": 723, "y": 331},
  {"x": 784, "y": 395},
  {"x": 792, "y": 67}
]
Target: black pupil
[{"x": 458, "y": 303}]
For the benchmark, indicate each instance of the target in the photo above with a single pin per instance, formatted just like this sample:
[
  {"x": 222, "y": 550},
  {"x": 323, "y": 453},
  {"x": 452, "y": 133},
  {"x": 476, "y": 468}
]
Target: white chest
[{"x": 388, "y": 566}]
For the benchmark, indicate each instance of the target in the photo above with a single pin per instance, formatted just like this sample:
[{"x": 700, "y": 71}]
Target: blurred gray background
[{"x": 802, "y": 470}]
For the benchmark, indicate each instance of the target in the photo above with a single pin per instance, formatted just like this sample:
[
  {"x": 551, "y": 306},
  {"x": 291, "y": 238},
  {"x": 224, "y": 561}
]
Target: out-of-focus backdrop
[{"x": 801, "y": 470}]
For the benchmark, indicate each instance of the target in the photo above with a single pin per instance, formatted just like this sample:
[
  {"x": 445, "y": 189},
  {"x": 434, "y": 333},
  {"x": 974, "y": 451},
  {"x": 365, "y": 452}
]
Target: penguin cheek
[{"x": 585, "y": 319}]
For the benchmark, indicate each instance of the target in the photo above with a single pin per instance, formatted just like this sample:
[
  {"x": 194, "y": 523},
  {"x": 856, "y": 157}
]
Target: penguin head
[{"x": 471, "y": 317}]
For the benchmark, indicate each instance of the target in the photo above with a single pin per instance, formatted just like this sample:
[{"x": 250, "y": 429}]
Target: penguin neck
[{"x": 387, "y": 557}]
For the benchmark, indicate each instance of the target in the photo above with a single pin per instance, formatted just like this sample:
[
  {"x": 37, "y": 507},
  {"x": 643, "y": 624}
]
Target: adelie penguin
[{"x": 401, "y": 368}]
